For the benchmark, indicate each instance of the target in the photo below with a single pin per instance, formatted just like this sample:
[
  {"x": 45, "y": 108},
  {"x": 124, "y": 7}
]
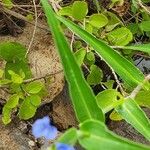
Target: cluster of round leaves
[
  {"x": 104, "y": 25},
  {"x": 26, "y": 96}
]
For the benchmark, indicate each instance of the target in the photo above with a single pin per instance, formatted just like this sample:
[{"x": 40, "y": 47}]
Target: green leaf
[
  {"x": 133, "y": 114},
  {"x": 90, "y": 58},
  {"x": 7, "y": 3},
  {"x": 35, "y": 100},
  {"x": 115, "y": 116},
  {"x": 125, "y": 69},
  {"x": 65, "y": 11},
  {"x": 109, "y": 84},
  {"x": 81, "y": 94},
  {"x": 98, "y": 20},
  {"x": 5, "y": 81},
  {"x": 108, "y": 99},
  {"x": 17, "y": 66},
  {"x": 34, "y": 87},
  {"x": 6, "y": 115},
  {"x": 113, "y": 21},
  {"x": 69, "y": 137},
  {"x": 15, "y": 77},
  {"x": 79, "y": 10},
  {"x": 95, "y": 136},
  {"x": 143, "y": 98},
  {"x": 145, "y": 25},
  {"x": 27, "y": 109},
  {"x": 95, "y": 75},
  {"x": 12, "y": 101},
  {"x": 30, "y": 17},
  {"x": 11, "y": 51},
  {"x": 120, "y": 36},
  {"x": 141, "y": 47},
  {"x": 80, "y": 55}
]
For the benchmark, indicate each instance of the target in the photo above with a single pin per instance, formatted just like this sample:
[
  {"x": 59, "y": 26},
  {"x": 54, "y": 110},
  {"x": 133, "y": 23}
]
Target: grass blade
[{"x": 81, "y": 94}]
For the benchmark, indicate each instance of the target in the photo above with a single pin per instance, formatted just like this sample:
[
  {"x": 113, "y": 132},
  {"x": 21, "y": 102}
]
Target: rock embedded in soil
[{"x": 11, "y": 138}]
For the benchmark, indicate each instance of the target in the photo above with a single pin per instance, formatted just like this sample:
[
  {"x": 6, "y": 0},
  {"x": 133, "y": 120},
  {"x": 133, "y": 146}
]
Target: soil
[{"x": 44, "y": 60}]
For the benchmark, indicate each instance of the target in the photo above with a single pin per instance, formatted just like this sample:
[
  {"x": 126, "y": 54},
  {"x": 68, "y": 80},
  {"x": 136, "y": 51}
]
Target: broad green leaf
[
  {"x": 12, "y": 101},
  {"x": 65, "y": 11},
  {"x": 145, "y": 25},
  {"x": 133, "y": 114},
  {"x": 108, "y": 99},
  {"x": 35, "y": 100},
  {"x": 34, "y": 87},
  {"x": 16, "y": 67},
  {"x": 143, "y": 98},
  {"x": 7, "y": 3},
  {"x": 11, "y": 51},
  {"x": 6, "y": 115},
  {"x": 69, "y": 137},
  {"x": 120, "y": 36},
  {"x": 81, "y": 94},
  {"x": 125, "y": 69},
  {"x": 79, "y": 55},
  {"x": 27, "y": 109},
  {"x": 5, "y": 81},
  {"x": 95, "y": 75},
  {"x": 98, "y": 20},
  {"x": 15, "y": 77},
  {"x": 95, "y": 136},
  {"x": 79, "y": 10}
]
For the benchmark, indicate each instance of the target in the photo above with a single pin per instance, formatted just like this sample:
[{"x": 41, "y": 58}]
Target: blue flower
[
  {"x": 62, "y": 146},
  {"x": 43, "y": 128}
]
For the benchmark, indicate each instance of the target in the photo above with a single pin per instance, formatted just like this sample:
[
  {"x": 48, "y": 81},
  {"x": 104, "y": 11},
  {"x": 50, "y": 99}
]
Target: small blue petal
[
  {"x": 43, "y": 128},
  {"x": 50, "y": 133},
  {"x": 62, "y": 146}
]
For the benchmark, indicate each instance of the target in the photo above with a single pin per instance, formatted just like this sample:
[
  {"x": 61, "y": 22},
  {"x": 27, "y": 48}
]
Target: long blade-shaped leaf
[
  {"x": 95, "y": 136},
  {"x": 82, "y": 96},
  {"x": 127, "y": 71},
  {"x": 141, "y": 47},
  {"x": 134, "y": 115}
]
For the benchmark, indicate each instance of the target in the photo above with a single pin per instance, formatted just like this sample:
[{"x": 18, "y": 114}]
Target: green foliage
[
  {"x": 93, "y": 134},
  {"x": 109, "y": 99},
  {"x": 98, "y": 20},
  {"x": 7, "y": 3},
  {"x": 133, "y": 114},
  {"x": 79, "y": 10},
  {"x": 29, "y": 106},
  {"x": 120, "y": 36},
  {"x": 25, "y": 96},
  {"x": 12, "y": 51},
  {"x": 95, "y": 75},
  {"x": 127, "y": 71},
  {"x": 80, "y": 55},
  {"x": 81, "y": 94}
]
